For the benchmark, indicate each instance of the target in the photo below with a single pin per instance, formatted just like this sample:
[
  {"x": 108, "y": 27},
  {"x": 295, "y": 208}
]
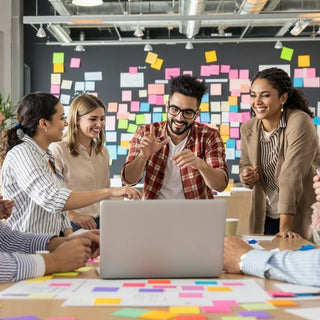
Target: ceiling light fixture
[
  {"x": 278, "y": 45},
  {"x": 148, "y": 47},
  {"x": 299, "y": 27},
  {"x": 87, "y": 3},
  {"x": 189, "y": 45},
  {"x": 41, "y": 33},
  {"x": 80, "y": 47},
  {"x": 138, "y": 32},
  {"x": 59, "y": 33}
]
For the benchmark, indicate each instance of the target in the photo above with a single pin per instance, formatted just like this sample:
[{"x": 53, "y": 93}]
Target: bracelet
[{"x": 242, "y": 258}]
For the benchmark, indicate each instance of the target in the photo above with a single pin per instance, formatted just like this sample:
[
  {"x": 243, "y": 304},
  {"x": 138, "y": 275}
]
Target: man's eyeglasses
[{"x": 187, "y": 113}]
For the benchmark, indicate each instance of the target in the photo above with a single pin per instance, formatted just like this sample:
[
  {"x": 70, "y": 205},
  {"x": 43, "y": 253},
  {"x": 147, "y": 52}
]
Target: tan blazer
[{"x": 299, "y": 156}]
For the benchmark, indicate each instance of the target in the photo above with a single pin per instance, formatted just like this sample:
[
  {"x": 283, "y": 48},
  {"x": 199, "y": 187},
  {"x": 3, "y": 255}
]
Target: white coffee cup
[{"x": 231, "y": 226}]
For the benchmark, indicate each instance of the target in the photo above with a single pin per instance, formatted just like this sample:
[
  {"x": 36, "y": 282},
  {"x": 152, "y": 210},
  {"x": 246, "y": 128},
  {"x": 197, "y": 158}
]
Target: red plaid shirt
[{"x": 203, "y": 141}]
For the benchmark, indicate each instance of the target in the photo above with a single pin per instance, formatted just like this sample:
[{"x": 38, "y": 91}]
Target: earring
[
  {"x": 45, "y": 129},
  {"x": 282, "y": 107}
]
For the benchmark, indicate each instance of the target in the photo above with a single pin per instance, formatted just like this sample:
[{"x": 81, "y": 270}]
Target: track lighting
[
  {"x": 148, "y": 47},
  {"x": 41, "y": 33},
  {"x": 138, "y": 32},
  {"x": 189, "y": 46},
  {"x": 278, "y": 45}
]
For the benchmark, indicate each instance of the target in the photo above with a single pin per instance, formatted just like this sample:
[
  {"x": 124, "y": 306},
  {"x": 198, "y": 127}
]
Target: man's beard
[{"x": 181, "y": 131}]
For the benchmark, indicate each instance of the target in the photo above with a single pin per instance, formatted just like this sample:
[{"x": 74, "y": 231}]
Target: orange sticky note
[
  {"x": 151, "y": 57},
  {"x": 185, "y": 310},
  {"x": 204, "y": 106},
  {"x": 211, "y": 56},
  {"x": 224, "y": 129},
  {"x": 225, "y": 138},
  {"x": 106, "y": 301},
  {"x": 112, "y": 106},
  {"x": 124, "y": 144},
  {"x": 233, "y": 101},
  {"x": 282, "y": 303},
  {"x": 304, "y": 61},
  {"x": 58, "y": 68},
  {"x": 158, "y": 315},
  {"x": 219, "y": 289},
  {"x": 157, "y": 64}
]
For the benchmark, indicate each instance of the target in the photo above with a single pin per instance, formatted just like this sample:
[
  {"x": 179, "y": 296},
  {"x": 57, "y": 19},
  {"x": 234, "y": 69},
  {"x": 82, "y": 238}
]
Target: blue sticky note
[
  {"x": 307, "y": 247},
  {"x": 144, "y": 107},
  {"x": 122, "y": 151},
  {"x": 205, "y": 117},
  {"x": 298, "y": 82},
  {"x": 205, "y": 97},
  {"x": 156, "y": 116},
  {"x": 238, "y": 154},
  {"x": 231, "y": 143},
  {"x": 112, "y": 152},
  {"x": 205, "y": 282},
  {"x": 233, "y": 108},
  {"x": 316, "y": 120}
]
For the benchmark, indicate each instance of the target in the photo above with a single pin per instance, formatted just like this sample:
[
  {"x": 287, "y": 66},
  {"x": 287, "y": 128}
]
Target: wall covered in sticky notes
[{"x": 134, "y": 83}]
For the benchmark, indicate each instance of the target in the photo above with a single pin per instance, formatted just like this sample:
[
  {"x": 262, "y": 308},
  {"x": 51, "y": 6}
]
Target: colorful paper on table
[
  {"x": 238, "y": 318},
  {"x": 280, "y": 294},
  {"x": 191, "y": 317},
  {"x": 286, "y": 53},
  {"x": 84, "y": 269},
  {"x": 158, "y": 315},
  {"x": 185, "y": 310},
  {"x": 106, "y": 301},
  {"x": 61, "y": 318},
  {"x": 66, "y": 274},
  {"x": 26, "y": 317},
  {"x": 211, "y": 56},
  {"x": 157, "y": 64},
  {"x": 304, "y": 61},
  {"x": 130, "y": 312},
  {"x": 215, "y": 309},
  {"x": 258, "y": 306},
  {"x": 256, "y": 314},
  {"x": 282, "y": 303}
]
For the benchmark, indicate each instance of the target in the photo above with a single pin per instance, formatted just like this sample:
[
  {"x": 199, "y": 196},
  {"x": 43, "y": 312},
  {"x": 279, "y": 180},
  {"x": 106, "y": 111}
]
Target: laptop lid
[{"x": 162, "y": 238}]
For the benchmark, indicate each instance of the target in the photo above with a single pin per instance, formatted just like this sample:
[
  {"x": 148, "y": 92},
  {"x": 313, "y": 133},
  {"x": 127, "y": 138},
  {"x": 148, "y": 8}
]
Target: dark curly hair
[
  {"x": 281, "y": 81},
  {"x": 188, "y": 86}
]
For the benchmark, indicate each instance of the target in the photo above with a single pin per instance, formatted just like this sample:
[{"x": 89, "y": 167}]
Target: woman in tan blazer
[{"x": 279, "y": 154}]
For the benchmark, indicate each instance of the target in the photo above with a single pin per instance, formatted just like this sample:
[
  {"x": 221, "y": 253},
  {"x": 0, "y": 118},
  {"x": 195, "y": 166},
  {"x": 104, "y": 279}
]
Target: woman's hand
[
  {"x": 249, "y": 175},
  {"x": 126, "y": 192}
]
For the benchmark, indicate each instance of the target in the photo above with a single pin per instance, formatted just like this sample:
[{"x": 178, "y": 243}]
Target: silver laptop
[{"x": 162, "y": 238}]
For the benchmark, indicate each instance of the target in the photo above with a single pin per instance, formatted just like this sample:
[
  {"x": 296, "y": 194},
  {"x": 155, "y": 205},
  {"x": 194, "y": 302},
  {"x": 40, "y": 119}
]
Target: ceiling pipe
[
  {"x": 191, "y": 8},
  {"x": 60, "y": 7},
  {"x": 252, "y": 6}
]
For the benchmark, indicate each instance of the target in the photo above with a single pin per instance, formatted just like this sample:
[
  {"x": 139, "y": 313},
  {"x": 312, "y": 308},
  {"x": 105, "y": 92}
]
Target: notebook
[{"x": 161, "y": 238}]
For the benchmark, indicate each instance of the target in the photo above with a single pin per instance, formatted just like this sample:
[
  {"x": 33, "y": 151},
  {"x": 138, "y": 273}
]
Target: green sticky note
[
  {"x": 286, "y": 53},
  {"x": 257, "y": 306},
  {"x": 84, "y": 269},
  {"x": 123, "y": 124},
  {"x": 140, "y": 119},
  {"x": 132, "y": 128},
  {"x": 41, "y": 296},
  {"x": 129, "y": 312},
  {"x": 164, "y": 117},
  {"x": 58, "y": 57}
]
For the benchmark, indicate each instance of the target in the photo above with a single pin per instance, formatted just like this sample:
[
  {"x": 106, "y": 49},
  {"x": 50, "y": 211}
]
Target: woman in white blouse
[
  {"x": 30, "y": 176},
  {"x": 82, "y": 156}
]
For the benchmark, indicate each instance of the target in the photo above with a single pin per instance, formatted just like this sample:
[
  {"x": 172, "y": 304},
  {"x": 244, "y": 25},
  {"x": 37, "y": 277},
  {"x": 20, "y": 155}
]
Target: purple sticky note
[
  {"x": 105, "y": 289},
  {"x": 150, "y": 290},
  {"x": 257, "y": 314},
  {"x": 28, "y": 317}
]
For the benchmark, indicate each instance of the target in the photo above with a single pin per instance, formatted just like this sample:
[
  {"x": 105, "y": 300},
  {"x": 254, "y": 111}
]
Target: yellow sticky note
[
  {"x": 224, "y": 139},
  {"x": 58, "y": 68},
  {"x": 233, "y": 101},
  {"x": 224, "y": 129},
  {"x": 84, "y": 269},
  {"x": 204, "y": 107},
  {"x": 106, "y": 301},
  {"x": 151, "y": 57},
  {"x": 158, "y": 315},
  {"x": 40, "y": 279},
  {"x": 219, "y": 289},
  {"x": 66, "y": 274},
  {"x": 282, "y": 303},
  {"x": 125, "y": 144},
  {"x": 185, "y": 310},
  {"x": 304, "y": 61},
  {"x": 211, "y": 56},
  {"x": 157, "y": 64}
]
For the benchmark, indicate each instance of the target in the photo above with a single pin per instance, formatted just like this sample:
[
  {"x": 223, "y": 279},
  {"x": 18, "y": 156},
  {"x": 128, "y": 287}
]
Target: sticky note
[
  {"x": 282, "y": 303},
  {"x": 58, "y": 57},
  {"x": 158, "y": 315},
  {"x": 256, "y": 314},
  {"x": 123, "y": 124},
  {"x": 129, "y": 312},
  {"x": 105, "y": 289},
  {"x": 40, "y": 279},
  {"x": 286, "y": 53},
  {"x": 190, "y": 295},
  {"x": 201, "y": 288},
  {"x": 225, "y": 302},
  {"x": 205, "y": 282},
  {"x": 204, "y": 106},
  {"x": 60, "y": 284},
  {"x": 151, "y": 57},
  {"x": 133, "y": 70},
  {"x": 58, "y": 68},
  {"x": 61, "y": 318},
  {"x": 126, "y": 95},
  {"x": 216, "y": 89},
  {"x": 134, "y": 284},
  {"x": 211, "y": 56},
  {"x": 135, "y": 106},
  {"x": 257, "y": 306},
  {"x": 219, "y": 289},
  {"x": 185, "y": 310},
  {"x": 171, "y": 72},
  {"x": 280, "y": 294},
  {"x": 132, "y": 128},
  {"x": 106, "y": 301},
  {"x": 44, "y": 296},
  {"x": 156, "y": 88},
  {"x": 216, "y": 309},
  {"x": 191, "y": 317},
  {"x": 224, "y": 129},
  {"x": 157, "y": 64},
  {"x": 66, "y": 274},
  {"x": 75, "y": 63},
  {"x": 55, "y": 78},
  {"x": 304, "y": 61},
  {"x": 66, "y": 84},
  {"x": 140, "y": 119},
  {"x": 232, "y": 101},
  {"x": 112, "y": 106}
]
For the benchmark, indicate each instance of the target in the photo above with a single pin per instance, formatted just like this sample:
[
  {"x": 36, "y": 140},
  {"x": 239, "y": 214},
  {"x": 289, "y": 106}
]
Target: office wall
[{"x": 112, "y": 61}]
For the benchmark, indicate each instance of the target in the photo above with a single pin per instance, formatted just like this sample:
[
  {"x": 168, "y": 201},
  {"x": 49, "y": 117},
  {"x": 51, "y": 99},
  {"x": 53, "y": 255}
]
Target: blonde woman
[{"x": 82, "y": 156}]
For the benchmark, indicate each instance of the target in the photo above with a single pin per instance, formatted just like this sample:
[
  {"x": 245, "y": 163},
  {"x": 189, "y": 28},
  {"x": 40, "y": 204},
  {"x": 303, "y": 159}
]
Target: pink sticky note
[
  {"x": 245, "y": 98},
  {"x": 244, "y": 88},
  {"x": 311, "y": 72},
  {"x": 123, "y": 115},
  {"x": 298, "y": 73},
  {"x": 55, "y": 89},
  {"x": 189, "y": 73},
  {"x": 135, "y": 106},
  {"x": 164, "y": 286},
  {"x": 234, "y": 133},
  {"x": 215, "y": 69},
  {"x": 216, "y": 89},
  {"x": 171, "y": 72},
  {"x": 244, "y": 74},
  {"x": 192, "y": 287},
  {"x": 110, "y": 124},
  {"x": 160, "y": 100},
  {"x": 229, "y": 284},
  {"x": 126, "y": 95},
  {"x": 75, "y": 63},
  {"x": 224, "y": 68},
  {"x": 156, "y": 88},
  {"x": 235, "y": 93},
  {"x": 225, "y": 302},
  {"x": 123, "y": 107},
  {"x": 152, "y": 99},
  {"x": 134, "y": 284},
  {"x": 190, "y": 295},
  {"x": 238, "y": 144},
  {"x": 57, "y": 284},
  {"x": 215, "y": 309},
  {"x": 205, "y": 71},
  {"x": 280, "y": 294},
  {"x": 245, "y": 116},
  {"x": 311, "y": 82},
  {"x": 233, "y": 117},
  {"x": 234, "y": 74},
  {"x": 133, "y": 70}
]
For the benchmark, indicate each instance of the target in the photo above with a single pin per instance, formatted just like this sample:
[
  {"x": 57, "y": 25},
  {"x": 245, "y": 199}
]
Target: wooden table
[{"x": 52, "y": 308}]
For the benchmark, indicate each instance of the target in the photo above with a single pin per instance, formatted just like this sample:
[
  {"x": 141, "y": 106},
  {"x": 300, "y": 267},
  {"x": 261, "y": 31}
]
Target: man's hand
[
  {"x": 186, "y": 158},
  {"x": 5, "y": 208},
  {"x": 250, "y": 175},
  {"x": 83, "y": 221},
  {"x": 149, "y": 144},
  {"x": 234, "y": 248}
]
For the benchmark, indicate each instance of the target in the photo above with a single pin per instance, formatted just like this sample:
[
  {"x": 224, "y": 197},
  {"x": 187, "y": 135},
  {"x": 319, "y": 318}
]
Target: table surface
[{"x": 52, "y": 308}]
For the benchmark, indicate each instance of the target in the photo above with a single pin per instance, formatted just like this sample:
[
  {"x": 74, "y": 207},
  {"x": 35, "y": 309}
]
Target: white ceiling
[{"x": 175, "y": 21}]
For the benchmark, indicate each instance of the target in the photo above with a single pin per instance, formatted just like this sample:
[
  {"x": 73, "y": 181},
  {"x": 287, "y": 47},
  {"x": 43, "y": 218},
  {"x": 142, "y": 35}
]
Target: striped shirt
[
  {"x": 269, "y": 158},
  {"x": 300, "y": 267},
  {"x": 16, "y": 259},
  {"x": 203, "y": 141},
  {"x": 38, "y": 192}
]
